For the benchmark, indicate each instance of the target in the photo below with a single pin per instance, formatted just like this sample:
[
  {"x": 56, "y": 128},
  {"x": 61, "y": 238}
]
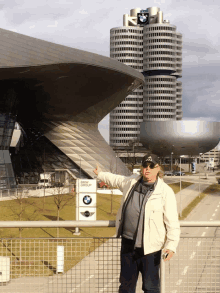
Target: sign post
[{"x": 86, "y": 190}]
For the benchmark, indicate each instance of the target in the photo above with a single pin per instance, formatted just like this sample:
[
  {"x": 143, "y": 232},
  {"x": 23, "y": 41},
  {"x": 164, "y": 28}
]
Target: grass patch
[
  {"x": 176, "y": 186},
  {"x": 37, "y": 257}
]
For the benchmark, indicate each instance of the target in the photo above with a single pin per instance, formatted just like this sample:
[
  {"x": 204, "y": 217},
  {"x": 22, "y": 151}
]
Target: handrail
[{"x": 59, "y": 224}]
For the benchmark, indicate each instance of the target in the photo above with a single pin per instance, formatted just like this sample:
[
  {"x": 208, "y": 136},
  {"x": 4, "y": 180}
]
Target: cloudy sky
[{"x": 86, "y": 25}]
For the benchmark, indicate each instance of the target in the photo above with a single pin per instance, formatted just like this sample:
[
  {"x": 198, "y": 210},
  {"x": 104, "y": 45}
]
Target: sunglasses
[{"x": 152, "y": 165}]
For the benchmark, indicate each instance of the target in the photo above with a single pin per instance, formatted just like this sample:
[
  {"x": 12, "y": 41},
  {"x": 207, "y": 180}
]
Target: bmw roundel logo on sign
[{"x": 87, "y": 199}]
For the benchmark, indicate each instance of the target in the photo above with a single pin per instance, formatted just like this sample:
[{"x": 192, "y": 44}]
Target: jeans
[{"x": 133, "y": 262}]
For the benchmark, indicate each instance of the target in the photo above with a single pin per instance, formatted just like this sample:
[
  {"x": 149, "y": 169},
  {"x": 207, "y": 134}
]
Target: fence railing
[
  {"x": 34, "y": 191},
  {"x": 92, "y": 264}
]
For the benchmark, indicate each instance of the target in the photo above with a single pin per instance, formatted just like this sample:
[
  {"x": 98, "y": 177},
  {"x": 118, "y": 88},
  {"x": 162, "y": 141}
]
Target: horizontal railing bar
[
  {"x": 55, "y": 224},
  {"x": 72, "y": 224},
  {"x": 199, "y": 223}
]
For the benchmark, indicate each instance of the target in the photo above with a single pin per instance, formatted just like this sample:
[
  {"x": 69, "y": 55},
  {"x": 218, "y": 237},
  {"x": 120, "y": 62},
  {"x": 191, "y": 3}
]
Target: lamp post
[
  {"x": 171, "y": 162},
  {"x": 180, "y": 190}
]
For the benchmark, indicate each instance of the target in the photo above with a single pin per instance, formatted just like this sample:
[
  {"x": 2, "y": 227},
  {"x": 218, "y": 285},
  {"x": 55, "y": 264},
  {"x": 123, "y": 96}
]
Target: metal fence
[
  {"x": 33, "y": 191},
  {"x": 93, "y": 264}
]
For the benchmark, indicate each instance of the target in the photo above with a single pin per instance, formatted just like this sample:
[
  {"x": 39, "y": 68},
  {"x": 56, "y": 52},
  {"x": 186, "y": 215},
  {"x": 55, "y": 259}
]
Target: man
[{"x": 147, "y": 220}]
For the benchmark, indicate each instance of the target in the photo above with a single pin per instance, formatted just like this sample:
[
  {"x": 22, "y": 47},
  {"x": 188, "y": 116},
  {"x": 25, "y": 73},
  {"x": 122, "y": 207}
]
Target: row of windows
[
  {"x": 159, "y": 116},
  {"x": 160, "y": 92},
  {"x": 135, "y": 94},
  {"x": 160, "y": 34},
  {"x": 160, "y": 65},
  {"x": 127, "y": 55},
  {"x": 127, "y": 43},
  {"x": 130, "y": 61},
  {"x": 160, "y": 85},
  {"x": 160, "y": 53},
  {"x": 158, "y": 28},
  {"x": 125, "y": 123},
  {"x": 161, "y": 58},
  {"x": 121, "y": 141},
  {"x": 126, "y": 49},
  {"x": 162, "y": 79},
  {"x": 128, "y": 117},
  {"x": 128, "y": 31},
  {"x": 134, "y": 99},
  {"x": 160, "y": 98},
  {"x": 125, "y": 135},
  {"x": 159, "y": 104},
  {"x": 137, "y": 67},
  {"x": 160, "y": 41},
  {"x": 159, "y": 110},
  {"x": 125, "y": 129},
  {"x": 127, "y": 37},
  {"x": 128, "y": 111},
  {"x": 129, "y": 105},
  {"x": 160, "y": 46}
]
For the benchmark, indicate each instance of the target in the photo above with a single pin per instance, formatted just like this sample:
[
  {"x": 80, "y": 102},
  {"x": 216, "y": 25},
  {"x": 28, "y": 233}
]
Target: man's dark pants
[{"x": 133, "y": 262}]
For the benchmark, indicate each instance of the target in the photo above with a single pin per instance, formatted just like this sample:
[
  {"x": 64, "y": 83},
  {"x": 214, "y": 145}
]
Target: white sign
[
  {"x": 86, "y": 199},
  {"x": 86, "y": 185},
  {"x": 60, "y": 259}
]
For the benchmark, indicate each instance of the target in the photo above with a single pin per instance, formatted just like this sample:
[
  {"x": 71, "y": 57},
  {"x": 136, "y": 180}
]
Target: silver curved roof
[
  {"x": 64, "y": 93},
  {"x": 189, "y": 137}
]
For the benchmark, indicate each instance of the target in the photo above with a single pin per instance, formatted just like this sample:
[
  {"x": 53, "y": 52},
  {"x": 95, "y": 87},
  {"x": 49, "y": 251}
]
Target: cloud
[
  {"x": 32, "y": 26},
  {"x": 53, "y": 25},
  {"x": 26, "y": 11},
  {"x": 83, "y": 12},
  {"x": 201, "y": 93},
  {"x": 201, "y": 46}
]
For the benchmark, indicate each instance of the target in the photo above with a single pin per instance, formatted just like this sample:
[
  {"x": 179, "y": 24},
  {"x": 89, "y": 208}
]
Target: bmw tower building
[{"x": 152, "y": 46}]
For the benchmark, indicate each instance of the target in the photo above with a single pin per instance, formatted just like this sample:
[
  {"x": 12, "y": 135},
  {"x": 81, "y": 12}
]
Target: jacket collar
[{"x": 157, "y": 189}]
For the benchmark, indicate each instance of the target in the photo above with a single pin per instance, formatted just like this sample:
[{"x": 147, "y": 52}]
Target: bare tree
[
  {"x": 60, "y": 199},
  {"x": 22, "y": 204},
  {"x": 19, "y": 210}
]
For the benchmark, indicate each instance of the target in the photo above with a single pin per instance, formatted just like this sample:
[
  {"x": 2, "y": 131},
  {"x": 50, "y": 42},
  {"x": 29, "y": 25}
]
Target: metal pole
[
  {"x": 80, "y": 169},
  {"x": 162, "y": 275},
  {"x": 180, "y": 192},
  {"x": 77, "y": 208},
  {"x": 171, "y": 161}
]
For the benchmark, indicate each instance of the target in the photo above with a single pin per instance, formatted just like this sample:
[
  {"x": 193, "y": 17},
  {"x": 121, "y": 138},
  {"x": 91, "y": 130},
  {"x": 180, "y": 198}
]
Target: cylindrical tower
[
  {"x": 155, "y": 49},
  {"x": 126, "y": 45}
]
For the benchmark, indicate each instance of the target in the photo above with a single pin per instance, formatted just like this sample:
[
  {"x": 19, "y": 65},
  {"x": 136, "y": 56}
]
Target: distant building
[{"x": 214, "y": 153}]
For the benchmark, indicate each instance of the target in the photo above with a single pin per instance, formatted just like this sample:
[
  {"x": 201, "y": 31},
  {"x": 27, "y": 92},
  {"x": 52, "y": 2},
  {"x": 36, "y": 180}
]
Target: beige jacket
[{"x": 161, "y": 224}]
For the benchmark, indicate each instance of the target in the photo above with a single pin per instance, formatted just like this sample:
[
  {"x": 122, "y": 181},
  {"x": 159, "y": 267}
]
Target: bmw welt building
[{"x": 57, "y": 95}]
